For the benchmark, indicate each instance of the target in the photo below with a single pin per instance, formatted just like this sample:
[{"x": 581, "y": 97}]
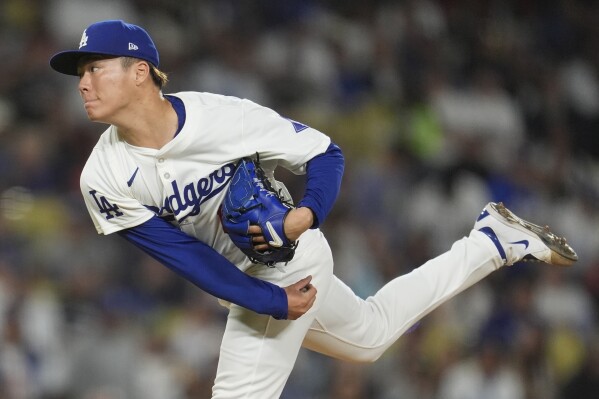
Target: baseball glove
[{"x": 251, "y": 200}]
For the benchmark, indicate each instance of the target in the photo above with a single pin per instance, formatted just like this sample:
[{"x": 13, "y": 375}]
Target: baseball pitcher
[{"x": 189, "y": 178}]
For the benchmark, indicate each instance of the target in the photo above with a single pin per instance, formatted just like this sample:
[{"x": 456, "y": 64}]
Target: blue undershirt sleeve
[
  {"x": 206, "y": 268},
  {"x": 323, "y": 182}
]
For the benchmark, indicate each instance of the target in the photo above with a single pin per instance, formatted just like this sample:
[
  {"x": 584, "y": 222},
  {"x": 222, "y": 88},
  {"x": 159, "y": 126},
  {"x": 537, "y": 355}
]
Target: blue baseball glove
[{"x": 251, "y": 200}]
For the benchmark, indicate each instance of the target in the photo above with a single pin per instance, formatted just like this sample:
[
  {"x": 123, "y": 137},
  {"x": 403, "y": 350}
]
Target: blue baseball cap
[{"x": 113, "y": 38}]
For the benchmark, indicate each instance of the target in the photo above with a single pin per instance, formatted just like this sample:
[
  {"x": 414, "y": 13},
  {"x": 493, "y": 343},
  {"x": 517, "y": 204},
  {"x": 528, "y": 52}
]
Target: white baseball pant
[{"x": 258, "y": 352}]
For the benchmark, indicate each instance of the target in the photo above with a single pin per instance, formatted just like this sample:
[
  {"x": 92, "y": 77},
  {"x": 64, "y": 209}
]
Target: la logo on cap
[{"x": 84, "y": 38}]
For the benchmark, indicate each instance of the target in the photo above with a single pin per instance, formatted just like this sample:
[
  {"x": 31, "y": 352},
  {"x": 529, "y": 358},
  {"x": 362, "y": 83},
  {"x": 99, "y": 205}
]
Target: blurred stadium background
[{"x": 440, "y": 106}]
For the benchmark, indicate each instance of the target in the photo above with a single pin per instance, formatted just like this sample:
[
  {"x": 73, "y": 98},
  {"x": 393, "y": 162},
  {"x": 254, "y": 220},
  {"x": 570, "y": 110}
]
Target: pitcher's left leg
[
  {"x": 258, "y": 352},
  {"x": 257, "y": 355}
]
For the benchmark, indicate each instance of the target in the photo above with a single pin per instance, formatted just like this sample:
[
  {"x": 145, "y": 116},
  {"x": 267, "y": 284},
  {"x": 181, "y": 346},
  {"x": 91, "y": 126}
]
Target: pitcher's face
[{"x": 105, "y": 87}]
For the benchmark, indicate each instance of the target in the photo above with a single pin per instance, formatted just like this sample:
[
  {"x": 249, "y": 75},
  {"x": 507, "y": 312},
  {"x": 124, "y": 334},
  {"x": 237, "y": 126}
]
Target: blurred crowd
[{"x": 439, "y": 106}]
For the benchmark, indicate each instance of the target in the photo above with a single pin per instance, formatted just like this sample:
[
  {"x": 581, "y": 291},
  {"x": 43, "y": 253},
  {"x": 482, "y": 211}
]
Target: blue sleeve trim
[
  {"x": 206, "y": 268},
  {"x": 323, "y": 182}
]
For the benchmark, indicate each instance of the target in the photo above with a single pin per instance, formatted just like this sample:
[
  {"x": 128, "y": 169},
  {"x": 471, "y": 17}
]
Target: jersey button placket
[{"x": 165, "y": 174}]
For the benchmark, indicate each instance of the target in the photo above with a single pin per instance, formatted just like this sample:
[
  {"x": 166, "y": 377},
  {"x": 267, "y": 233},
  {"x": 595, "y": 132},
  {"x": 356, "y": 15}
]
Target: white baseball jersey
[{"x": 184, "y": 181}]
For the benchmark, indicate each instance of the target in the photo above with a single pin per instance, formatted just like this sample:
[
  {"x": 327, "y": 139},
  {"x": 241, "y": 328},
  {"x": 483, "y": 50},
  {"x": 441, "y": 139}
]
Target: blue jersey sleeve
[
  {"x": 206, "y": 268},
  {"x": 323, "y": 182}
]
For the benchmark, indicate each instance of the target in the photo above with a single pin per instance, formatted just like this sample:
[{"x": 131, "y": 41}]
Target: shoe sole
[{"x": 562, "y": 254}]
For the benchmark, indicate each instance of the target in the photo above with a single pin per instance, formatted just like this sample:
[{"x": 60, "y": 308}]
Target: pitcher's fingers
[{"x": 254, "y": 229}]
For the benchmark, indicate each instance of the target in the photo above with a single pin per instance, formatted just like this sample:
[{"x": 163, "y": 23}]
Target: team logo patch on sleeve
[
  {"x": 297, "y": 126},
  {"x": 105, "y": 207}
]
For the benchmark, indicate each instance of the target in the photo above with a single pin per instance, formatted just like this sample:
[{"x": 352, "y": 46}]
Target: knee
[{"x": 365, "y": 355}]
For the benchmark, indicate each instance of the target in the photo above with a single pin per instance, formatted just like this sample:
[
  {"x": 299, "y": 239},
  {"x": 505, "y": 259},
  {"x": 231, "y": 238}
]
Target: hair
[{"x": 159, "y": 77}]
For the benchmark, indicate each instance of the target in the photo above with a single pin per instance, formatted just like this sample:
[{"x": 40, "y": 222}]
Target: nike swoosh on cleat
[
  {"x": 523, "y": 242},
  {"x": 130, "y": 181},
  {"x": 277, "y": 240}
]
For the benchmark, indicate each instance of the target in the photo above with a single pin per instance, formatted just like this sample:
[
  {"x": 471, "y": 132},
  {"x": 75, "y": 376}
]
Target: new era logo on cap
[{"x": 113, "y": 37}]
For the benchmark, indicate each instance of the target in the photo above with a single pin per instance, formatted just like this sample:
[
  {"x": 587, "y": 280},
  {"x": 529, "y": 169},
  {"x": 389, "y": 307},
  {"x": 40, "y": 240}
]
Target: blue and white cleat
[{"x": 518, "y": 240}]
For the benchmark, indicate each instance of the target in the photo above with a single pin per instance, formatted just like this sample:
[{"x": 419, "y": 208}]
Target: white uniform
[{"x": 124, "y": 186}]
